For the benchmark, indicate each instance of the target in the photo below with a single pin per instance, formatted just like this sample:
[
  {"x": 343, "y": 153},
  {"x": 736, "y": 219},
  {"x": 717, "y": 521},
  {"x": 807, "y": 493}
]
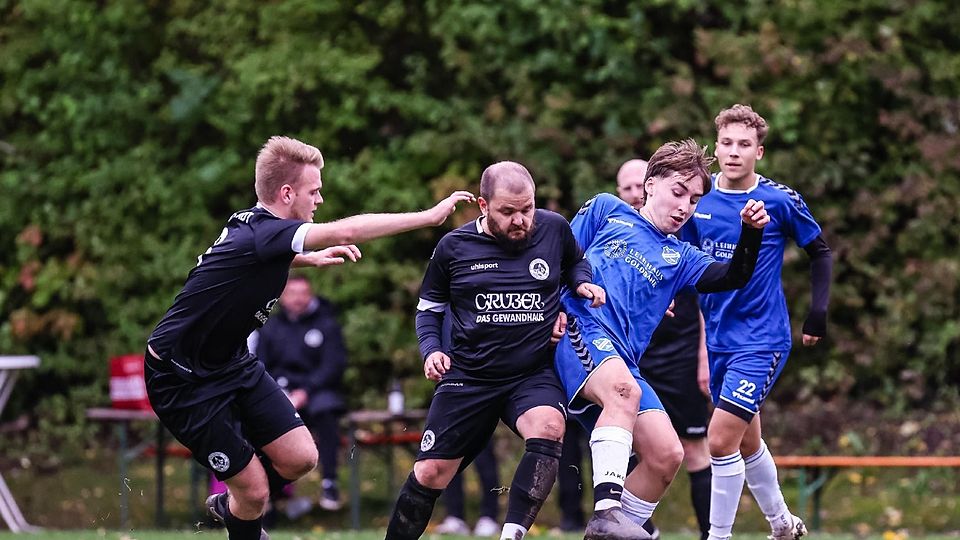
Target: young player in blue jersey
[
  {"x": 675, "y": 365},
  {"x": 500, "y": 278},
  {"x": 202, "y": 381},
  {"x": 748, "y": 330},
  {"x": 637, "y": 258}
]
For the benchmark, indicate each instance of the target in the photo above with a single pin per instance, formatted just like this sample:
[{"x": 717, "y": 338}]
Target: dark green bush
[{"x": 128, "y": 132}]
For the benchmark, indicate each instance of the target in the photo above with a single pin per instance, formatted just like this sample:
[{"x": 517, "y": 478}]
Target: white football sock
[
  {"x": 761, "y": 474},
  {"x": 727, "y": 485},
  {"x": 610, "y": 453},
  {"x": 637, "y": 509},
  {"x": 510, "y": 531}
]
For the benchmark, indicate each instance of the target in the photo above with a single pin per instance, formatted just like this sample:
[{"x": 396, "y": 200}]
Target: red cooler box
[{"x": 127, "y": 389}]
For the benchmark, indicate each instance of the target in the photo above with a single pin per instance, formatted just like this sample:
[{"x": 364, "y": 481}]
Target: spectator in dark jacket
[{"x": 302, "y": 347}]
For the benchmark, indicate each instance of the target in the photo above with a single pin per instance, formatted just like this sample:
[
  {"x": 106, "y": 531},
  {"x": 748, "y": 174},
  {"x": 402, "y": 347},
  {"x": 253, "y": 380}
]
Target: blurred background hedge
[{"x": 129, "y": 129}]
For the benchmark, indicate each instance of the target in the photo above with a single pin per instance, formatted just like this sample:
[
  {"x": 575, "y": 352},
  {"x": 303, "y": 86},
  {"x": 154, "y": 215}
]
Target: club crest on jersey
[
  {"x": 313, "y": 338},
  {"x": 615, "y": 249},
  {"x": 539, "y": 269},
  {"x": 426, "y": 443},
  {"x": 603, "y": 344},
  {"x": 670, "y": 255},
  {"x": 707, "y": 246}
]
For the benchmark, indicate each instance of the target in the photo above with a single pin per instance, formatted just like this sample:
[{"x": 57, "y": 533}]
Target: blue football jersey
[
  {"x": 641, "y": 269},
  {"x": 755, "y": 317}
]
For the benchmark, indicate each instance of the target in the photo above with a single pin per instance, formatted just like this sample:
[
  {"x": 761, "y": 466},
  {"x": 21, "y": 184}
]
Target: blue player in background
[
  {"x": 636, "y": 257},
  {"x": 748, "y": 330}
]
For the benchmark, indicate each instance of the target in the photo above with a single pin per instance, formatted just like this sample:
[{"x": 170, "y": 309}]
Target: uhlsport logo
[
  {"x": 426, "y": 443},
  {"x": 670, "y": 255},
  {"x": 219, "y": 461},
  {"x": 603, "y": 344},
  {"x": 615, "y": 249},
  {"x": 539, "y": 269},
  {"x": 485, "y": 266}
]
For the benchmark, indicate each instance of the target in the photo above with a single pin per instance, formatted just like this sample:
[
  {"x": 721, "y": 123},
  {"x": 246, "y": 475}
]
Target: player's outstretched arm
[
  {"x": 363, "y": 227},
  {"x": 330, "y": 256},
  {"x": 736, "y": 273}
]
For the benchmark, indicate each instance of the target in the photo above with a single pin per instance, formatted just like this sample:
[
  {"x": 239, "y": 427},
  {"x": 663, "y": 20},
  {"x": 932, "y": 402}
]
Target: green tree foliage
[{"x": 128, "y": 132}]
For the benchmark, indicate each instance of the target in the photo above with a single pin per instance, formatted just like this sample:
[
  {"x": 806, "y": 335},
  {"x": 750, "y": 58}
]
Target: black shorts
[
  {"x": 464, "y": 414},
  {"x": 222, "y": 431},
  {"x": 676, "y": 386}
]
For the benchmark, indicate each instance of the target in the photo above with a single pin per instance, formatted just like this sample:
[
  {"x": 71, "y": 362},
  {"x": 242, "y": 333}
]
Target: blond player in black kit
[{"x": 203, "y": 383}]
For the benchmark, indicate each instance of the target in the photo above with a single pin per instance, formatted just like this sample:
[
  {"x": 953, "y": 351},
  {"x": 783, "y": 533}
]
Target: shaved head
[
  {"x": 506, "y": 175},
  {"x": 633, "y": 167},
  {"x": 630, "y": 180}
]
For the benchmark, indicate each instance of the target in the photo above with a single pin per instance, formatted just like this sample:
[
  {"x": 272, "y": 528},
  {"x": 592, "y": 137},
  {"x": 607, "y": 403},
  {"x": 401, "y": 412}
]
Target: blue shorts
[
  {"x": 740, "y": 381},
  {"x": 584, "y": 347}
]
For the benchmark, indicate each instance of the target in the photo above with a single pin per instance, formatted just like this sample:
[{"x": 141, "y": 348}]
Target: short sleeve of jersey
[
  {"x": 591, "y": 216},
  {"x": 695, "y": 263},
  {"x": 274, "y": 237},
  {"x": 799, "y": 222},
  {"x": 436, "y": 281}
]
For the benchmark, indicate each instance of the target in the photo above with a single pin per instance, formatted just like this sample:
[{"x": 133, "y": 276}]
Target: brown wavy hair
[
  {"x": 743, "y": 114},
  {"x": 686, "y": 157}
]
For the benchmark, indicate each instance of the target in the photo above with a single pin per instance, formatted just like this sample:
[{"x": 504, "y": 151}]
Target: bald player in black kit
[{"x": 501, "y": 277}]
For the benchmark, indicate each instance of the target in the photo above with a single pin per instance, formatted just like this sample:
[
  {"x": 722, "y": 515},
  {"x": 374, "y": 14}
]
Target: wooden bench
[
  {"x": 816, "y": 471},
  {"x": 121, "y": 419}
]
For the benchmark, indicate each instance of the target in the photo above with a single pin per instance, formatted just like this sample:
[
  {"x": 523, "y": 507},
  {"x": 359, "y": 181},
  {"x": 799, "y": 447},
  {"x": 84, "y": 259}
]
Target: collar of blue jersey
[
  {"x": 652, "y": 226},
  {"x": 480, "y": 225},
  {"x": 716, "y": 185}
]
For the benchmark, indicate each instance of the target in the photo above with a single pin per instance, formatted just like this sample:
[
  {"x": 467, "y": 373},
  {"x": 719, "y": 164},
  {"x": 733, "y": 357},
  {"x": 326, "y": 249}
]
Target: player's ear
[
  {"x": 484, "y": 206},
  {"x": 759, "y": 152},
  {"x": 286, "y": 194}
]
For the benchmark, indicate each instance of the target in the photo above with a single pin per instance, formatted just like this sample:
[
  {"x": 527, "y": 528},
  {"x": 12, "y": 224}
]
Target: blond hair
[
  {"x": 743, "y": 114},
  {"x": 686, "y": 158},
  {"x": 281, "y": 161}
]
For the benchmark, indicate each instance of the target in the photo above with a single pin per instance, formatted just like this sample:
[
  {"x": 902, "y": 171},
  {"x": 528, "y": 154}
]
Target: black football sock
[
  {"x": 413, "y": 510},
  {"x": 700, "y": 495},
  {"x": 241, "y": 529},
  {"x": 536, "y": 473}
]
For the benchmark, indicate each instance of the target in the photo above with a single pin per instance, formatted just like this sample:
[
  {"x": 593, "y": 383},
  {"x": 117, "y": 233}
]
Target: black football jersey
[
  {"x": 503, "y": 303},
  {"x": 229, "y": 294}
]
